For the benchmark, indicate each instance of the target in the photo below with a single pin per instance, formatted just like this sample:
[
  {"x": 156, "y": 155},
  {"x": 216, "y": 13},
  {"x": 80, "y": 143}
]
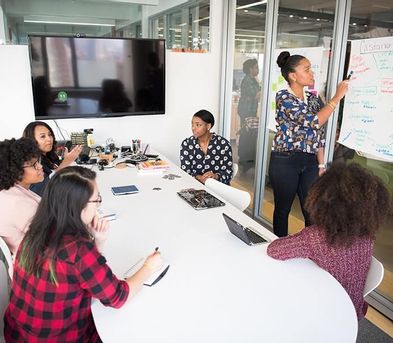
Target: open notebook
[{"x": 154, "y": 278}]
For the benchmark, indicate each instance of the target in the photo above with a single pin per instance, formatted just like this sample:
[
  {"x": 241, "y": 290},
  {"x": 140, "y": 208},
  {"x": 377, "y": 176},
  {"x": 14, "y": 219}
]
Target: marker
[
  {"x": 155, "y": 250},
  {"x": 350, "y": 74}
]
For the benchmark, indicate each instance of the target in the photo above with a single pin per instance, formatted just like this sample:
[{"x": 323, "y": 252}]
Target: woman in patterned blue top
[
  {"x": 298, "y": 147},
  {"x": 206, "y": 155}
]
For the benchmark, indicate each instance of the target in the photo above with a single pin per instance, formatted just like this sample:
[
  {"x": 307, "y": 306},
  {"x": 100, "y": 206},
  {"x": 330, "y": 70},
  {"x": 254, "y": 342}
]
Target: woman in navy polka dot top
[{"x": 205, "y": 154}]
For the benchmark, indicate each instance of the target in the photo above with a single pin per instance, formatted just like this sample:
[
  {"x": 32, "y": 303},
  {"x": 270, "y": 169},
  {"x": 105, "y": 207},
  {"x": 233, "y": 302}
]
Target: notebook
[
  {"x": 154, "y": 278},
  {"x": 247, "y": 235},
  {"x": 199, "y": 199}
]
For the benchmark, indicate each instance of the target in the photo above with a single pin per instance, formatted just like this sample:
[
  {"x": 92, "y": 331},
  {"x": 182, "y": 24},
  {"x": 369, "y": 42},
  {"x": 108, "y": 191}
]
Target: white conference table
[{"x": 217, "y": 288}]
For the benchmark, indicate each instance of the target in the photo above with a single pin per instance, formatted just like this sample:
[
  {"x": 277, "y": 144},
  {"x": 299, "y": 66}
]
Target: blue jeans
[{"x": 290, "y": 173}]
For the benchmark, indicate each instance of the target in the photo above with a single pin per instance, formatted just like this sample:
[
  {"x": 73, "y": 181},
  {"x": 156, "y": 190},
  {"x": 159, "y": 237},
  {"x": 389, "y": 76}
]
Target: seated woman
[
  {"x": 206, "y": 155},
  {"x": 20, "y": 167},
  {"x": 44, "y": 137},
  {"x": 59, "y": 260},
  {"x": 348, "y": 204}
]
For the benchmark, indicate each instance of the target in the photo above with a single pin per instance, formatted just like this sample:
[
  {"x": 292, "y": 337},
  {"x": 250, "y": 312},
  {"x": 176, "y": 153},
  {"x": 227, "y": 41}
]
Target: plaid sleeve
[{"x": 97, "y": 278}]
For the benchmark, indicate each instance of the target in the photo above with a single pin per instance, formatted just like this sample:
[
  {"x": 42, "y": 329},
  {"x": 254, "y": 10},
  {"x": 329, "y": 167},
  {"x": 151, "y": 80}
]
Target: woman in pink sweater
[
  {"x": 20, "y": 167},
  {"x": 347, "y": 204}
]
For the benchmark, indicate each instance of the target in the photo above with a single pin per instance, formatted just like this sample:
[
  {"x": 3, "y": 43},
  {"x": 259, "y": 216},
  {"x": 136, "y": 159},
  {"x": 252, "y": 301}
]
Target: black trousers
[{"x": 290, "y": 173}]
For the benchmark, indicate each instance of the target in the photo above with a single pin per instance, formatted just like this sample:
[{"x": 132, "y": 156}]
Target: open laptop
[
  {"x": 200, "y": 199},
  {"x": 247, "y": 235}
]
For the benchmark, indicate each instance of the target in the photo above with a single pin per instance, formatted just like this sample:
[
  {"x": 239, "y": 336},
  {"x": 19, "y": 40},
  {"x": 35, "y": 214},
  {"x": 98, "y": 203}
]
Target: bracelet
[
  {"x": 331, "y": 106},
  {"x": 321, "y": 166},
  {"x": 332, "y": 102}
]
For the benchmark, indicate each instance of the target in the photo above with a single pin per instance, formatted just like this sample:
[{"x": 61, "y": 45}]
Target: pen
[{"x": 155, "y": 250}]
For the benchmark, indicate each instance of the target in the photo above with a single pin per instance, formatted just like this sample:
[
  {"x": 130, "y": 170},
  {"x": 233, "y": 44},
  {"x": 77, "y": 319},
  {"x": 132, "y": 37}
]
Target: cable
[{"x": 59, "y": 130}]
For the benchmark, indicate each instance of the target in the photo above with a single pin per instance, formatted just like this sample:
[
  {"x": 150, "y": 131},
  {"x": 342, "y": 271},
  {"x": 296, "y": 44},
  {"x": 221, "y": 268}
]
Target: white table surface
[{"x": 217, "y": 288}]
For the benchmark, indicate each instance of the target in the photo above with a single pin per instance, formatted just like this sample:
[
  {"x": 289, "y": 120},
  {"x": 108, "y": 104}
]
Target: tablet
[{"x": 122, "y": 190}]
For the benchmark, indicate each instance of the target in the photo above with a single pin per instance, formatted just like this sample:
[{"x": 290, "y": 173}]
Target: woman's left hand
[
  {"x": 71, "y": 156},
  {"x": 99, "y": 229},
  {"x": 321, "y": 171}
]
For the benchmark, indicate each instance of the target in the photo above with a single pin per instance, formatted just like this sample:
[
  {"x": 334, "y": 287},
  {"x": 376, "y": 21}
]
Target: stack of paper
[{"x": 153, "y": 167}]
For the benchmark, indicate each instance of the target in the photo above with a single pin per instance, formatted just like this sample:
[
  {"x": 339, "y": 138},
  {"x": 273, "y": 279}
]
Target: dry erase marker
[{"x": 350, "y": 74}]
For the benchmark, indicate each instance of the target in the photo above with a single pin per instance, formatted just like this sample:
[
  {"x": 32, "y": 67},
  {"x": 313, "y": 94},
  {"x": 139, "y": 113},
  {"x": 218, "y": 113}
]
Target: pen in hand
[{"x": 155, "y": 250}]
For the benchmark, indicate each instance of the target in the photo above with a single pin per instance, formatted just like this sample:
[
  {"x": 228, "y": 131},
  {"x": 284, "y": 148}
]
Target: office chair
[
  {"x": 374, "y": 276},
  {"x": 238, "y": 198}
]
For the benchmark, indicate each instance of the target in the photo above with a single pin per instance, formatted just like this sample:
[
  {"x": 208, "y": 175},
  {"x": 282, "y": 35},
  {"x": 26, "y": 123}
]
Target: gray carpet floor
[{"x": 369, "y": 333}]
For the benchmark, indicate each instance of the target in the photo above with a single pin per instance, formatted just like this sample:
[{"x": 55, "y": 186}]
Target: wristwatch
[{"x": 321, "y": 166}]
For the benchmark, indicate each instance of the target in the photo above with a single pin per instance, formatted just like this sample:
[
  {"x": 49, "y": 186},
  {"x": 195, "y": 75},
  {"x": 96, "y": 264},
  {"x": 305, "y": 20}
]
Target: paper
[{"x": 154, "y": 278}]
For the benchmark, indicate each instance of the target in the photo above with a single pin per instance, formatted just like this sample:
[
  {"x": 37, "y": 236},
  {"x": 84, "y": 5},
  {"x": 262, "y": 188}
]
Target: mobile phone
[
  {"x": 349, "y": 75},
  {"x": 122, "y": 190}
]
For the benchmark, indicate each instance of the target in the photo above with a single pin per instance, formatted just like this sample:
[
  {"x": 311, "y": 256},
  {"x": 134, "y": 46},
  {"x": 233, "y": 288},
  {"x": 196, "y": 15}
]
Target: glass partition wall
[{"x": 323, "y": 32}]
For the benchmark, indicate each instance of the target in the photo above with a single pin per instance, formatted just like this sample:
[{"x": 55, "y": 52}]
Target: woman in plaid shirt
[{"x": 59, "y": 267}]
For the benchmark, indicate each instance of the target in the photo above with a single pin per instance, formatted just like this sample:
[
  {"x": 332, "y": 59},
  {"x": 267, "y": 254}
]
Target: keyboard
[{"x": 254, "y": 238}]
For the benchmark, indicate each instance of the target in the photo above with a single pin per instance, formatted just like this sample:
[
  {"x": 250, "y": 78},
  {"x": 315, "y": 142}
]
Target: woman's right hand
[
  {"x": 341, "y": 90},
  {"x": 153, "y": 262}
]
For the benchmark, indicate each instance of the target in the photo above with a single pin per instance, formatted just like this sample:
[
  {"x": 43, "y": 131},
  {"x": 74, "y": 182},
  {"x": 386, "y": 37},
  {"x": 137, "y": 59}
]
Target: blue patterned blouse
[
  {"x": 297, "y": 123},
  {"x": 218, "y": 158}
]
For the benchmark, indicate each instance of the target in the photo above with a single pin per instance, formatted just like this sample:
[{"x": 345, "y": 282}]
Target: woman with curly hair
[
  {"x": 42, "y": 134},
  {"x": 347, "y": 205},
  {"x": 20, "y": 168}
]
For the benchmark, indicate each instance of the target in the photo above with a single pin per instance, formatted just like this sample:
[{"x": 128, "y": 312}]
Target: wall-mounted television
[{"x": 78, "y": 77}]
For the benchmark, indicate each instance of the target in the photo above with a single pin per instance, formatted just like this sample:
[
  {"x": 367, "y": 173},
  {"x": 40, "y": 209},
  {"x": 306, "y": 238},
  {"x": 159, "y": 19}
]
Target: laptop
[
  {"x": 199, "y": 199},
  {"x": 247, "y": 235}
]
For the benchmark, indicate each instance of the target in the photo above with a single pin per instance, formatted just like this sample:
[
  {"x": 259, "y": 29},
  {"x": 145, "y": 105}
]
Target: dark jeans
[{"x": 290, "y": 173}]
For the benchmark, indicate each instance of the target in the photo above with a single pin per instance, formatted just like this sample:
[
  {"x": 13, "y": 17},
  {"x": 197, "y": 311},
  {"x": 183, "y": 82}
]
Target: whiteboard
[{"x": 368, "y": 109}]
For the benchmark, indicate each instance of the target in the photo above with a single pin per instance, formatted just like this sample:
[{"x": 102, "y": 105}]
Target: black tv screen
[{"x": 97, "y": 77}]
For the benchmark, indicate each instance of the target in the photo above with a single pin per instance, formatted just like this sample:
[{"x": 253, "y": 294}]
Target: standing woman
[
  {"x": 205, "y": 154},
  {"x": 297, "y": 156},
  {"x": 20, "y": 168},
  {"x": 250, "y": 92},
  {"x": 59, "y": 267},
  {"x": 44, "y": 137}
]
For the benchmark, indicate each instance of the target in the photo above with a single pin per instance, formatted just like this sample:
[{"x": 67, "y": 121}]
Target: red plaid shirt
[{"x": 41, "y": 311}]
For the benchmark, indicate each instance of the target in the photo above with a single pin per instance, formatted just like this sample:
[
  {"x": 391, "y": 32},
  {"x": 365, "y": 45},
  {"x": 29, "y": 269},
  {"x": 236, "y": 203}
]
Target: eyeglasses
[
  {"x": 36, "y": 165},
  {"x": 98, "y": 201}
]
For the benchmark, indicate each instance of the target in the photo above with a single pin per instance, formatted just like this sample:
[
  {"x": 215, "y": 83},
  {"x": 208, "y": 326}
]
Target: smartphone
[
  {"x": 122, "y": 190},
  {"x": 349, "y": 75}
]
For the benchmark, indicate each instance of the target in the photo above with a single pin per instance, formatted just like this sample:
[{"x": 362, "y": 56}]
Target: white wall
[{"x": 192, "y": 83}]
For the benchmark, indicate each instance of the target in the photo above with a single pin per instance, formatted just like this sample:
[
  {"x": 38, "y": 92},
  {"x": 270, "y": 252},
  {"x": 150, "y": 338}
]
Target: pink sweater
[
  {"x": 17, "y": 208},
  {"x": 349, "y": 265}
]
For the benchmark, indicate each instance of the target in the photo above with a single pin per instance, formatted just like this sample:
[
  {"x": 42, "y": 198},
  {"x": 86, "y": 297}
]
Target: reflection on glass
[
  {"x": 248, "y": 58},
  {"x": 185, "y": 28}
]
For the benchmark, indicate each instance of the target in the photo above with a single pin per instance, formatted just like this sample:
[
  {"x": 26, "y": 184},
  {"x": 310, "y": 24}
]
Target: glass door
[{"x": 246, "y": 89}]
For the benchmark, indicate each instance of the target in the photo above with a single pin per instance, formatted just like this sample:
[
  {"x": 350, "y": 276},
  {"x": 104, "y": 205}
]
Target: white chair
[
  {"x": 235, "y": 169},
  {"x": 374, "y": 276},
  {"x": 4, "y": 296},
  {"x": 7, "y": 254},
  {"x": 237, "y": 197}
]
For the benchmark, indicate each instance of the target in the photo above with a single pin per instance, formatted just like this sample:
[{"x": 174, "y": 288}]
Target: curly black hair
[
  {"x": 348, "y": 202},
  {"x": 13, "y": 155}
]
